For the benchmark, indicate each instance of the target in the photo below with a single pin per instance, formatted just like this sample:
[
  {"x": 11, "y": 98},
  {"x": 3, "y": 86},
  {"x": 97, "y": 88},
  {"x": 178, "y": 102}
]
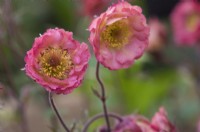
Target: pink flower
[
  {"x": 161, "y": 123},
  {"x": 127, "y": 125},
  {"x": 119, "y": 36},
  {"x": 57, "y": 61},
  {"x": 186, "y": 22},
  {"x": 138, "y": 123},
  {"x": 134, "y": 124},
  {"x": 157, "y": 36},
  {"x": 94, "y": 7}
]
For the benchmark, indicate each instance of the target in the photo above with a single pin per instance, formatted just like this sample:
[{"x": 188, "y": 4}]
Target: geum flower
[
  {"x": 119, "y": 36},
  {"x": 185, "y": 20},
  {"x": 134, "y": 123},
  {"x": 57, "y": 61},
  {"x": 138, "y": 123},
  {"x": 161, "y": 123}
]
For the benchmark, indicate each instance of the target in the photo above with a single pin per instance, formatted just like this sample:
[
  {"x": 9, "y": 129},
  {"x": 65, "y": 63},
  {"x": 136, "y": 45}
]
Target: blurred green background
[{"x": 170, "y": 80}]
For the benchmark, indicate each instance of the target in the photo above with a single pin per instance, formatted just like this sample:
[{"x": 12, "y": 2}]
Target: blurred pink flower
[
  {"x": 138, "y": 123},
  {"x": 161, "y": 123},
  {"x": 94, "y": 7},
  {"x": 57, "y": 61},
  {"x": 119, "y": 36},
  {"x": 186, "y": 22},
  {"x": 134, "y": 123},
  {"x": 158, "y": 35}
]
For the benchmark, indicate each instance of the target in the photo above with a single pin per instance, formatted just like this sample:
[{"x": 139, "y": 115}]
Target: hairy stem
[
  {"x": 96, "y": 117},
  {"x": 103, "y": 98},
  {"x": 56, "y": 112}
]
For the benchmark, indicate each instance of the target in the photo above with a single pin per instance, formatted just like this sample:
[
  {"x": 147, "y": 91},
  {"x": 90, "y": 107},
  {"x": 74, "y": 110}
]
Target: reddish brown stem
[
  {"x": 103, "y": 97},
  {"x": 57, "y": 113}
]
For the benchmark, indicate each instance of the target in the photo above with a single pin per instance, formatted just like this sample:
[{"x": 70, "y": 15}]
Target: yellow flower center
[
  {"x": 192, "y": 22},
  {"x": 55, "y": 62},
  {"x": 117, "y": 34}
]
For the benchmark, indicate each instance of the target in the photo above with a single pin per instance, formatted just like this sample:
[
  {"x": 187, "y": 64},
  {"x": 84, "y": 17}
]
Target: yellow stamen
[
  {"x": 117, "y": 34},
  {"x": 192, "y": 22},
  {"x": 55, "y": 62}
]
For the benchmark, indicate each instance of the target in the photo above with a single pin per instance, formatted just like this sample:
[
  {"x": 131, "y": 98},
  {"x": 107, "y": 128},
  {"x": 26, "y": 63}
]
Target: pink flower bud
[
  {"x": 161, "y": 123},
  {"x": 134, "y": 123}
]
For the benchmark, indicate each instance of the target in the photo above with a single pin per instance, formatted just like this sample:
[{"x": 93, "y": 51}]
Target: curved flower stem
[
  {"x": 96, "y": 117},
  {"x": 103, "y": 98},
  {"x": 56, "y": 112}
]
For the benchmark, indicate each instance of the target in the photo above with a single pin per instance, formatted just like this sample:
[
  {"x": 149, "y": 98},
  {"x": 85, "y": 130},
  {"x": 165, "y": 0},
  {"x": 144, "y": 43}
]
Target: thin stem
[
  {"x": 103, "y": 98},
  {"x": 53, "y": 118},
  {"x": 56, "y": 112},
  {"x": 96, "y": 117}
]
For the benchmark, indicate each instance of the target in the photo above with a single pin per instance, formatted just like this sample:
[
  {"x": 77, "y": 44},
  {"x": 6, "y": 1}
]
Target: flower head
[
  {"x": 119, "y": 35},
  {"x": 134, "y": 123},
  {"x": 138, "y": 123},
  {"x": 186, "y": 22},
  {"x": 57, "y": 61},
  {"x": 161, "y": 123}
]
